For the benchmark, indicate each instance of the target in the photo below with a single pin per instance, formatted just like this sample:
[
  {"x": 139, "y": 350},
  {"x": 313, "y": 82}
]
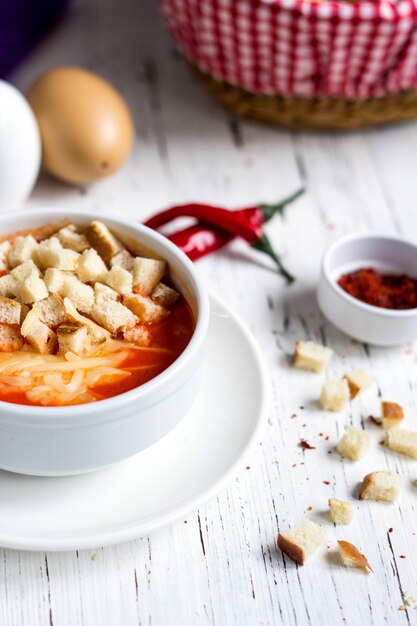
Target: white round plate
[{"x": 163, "y": 483}]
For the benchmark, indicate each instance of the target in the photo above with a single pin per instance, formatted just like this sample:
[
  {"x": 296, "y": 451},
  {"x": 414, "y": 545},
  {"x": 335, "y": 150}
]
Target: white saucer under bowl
[{"x": 163, "y": 483}]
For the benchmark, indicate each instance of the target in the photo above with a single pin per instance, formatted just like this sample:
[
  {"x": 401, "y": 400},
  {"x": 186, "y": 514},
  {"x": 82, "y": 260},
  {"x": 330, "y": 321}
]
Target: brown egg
[{"x": 86, "y": 128}]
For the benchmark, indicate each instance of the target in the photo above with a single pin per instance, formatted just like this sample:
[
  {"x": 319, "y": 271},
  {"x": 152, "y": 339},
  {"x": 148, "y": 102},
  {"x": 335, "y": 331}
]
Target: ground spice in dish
[{"x": 387, "y": 291}]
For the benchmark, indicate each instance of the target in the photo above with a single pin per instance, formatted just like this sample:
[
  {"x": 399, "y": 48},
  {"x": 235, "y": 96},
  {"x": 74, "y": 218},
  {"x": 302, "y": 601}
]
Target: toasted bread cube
[
  {"x": 147, "y": 311},
  {"x": 392, "y": 415},
  {"x": 123, "y": 259},
  {"x": 359, "y": 381},
  {"x": 51, "y": 310},
  {"x": 146, "y": 274},
  {"x": 334, "y": 394},
  {"x": 73, "y": 337},
  {"x": 56, "y": 280},
  {"x": 300, "y": 542},
  {"x": 403, "y": 441},
  {"x": 61, "y": 259},
  {"x": 5, "y": 247},
  {"x": 119, "y": 279},
  {"x": 113, "y": 316},
  {"x": 70, "y": 238},
  {"x": 24, "y": 270},
  {"x": 382, "y": 485},
  {"x": 351, "y": 557},
  {"x": 311, "y": 356},
  {"x": 103, "y": 240},
  {"x": 23, "y": 249},
  {"x": 91, "y": 267},
  {"x": 32, "y": 289},
  {"x": 103, "y": 293},
  {"x": 8, "y": 285},
  {"x": 9, "y": 311},
  {"x": 341, "y": 511},
  {"x": 165, "y": 296},
  {"x": 137, "y": 335},
  {"x": 45, "y": 249},
  {"x": 67, "y": 285},
  {"x": 354, "y": 444},
  {"x": 97, "y": 333},
  {"x": 38, "y": 334},
  {"x": 11, "y": 339}
]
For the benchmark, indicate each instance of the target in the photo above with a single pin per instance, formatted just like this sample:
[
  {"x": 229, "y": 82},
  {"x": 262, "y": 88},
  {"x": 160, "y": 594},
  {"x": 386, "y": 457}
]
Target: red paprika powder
[{"x": 388, "y": 291}]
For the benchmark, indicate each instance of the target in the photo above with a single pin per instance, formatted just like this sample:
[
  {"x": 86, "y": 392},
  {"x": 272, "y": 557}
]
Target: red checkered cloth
[{"x": 296, "y": 47}]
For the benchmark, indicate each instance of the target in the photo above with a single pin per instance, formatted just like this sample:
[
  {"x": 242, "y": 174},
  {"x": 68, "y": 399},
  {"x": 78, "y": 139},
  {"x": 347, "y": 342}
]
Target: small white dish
[
  {"x": 364, "y": 322},
  {"x": 167, "y": 481}
]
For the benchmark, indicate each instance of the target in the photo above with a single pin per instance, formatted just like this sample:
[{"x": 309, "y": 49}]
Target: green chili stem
[
  {"x": 269, "y": 210},
  {"x": 264, "y": 245}
]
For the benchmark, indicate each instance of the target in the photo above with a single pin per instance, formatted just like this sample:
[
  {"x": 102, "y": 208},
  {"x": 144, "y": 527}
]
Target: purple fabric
[{"x": 23, "y": 23}]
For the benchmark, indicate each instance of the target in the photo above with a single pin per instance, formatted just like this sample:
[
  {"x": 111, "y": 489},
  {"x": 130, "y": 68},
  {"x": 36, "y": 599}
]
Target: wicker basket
[{"x": 327, "y": 65}]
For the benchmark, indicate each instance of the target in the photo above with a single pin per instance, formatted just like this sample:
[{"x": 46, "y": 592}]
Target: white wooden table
[{"x": 222, "y": 567}]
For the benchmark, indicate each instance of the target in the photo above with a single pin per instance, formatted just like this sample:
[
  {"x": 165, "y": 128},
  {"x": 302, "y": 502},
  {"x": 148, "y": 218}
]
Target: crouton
[
  {"x": 32, "y": 289},
  {"x": 137, "y": 335},
  {"x": 8, "y": 285},
  {"x": 354, "y": 444},
  {"x": 23, "y": 249},
  {"x": 70, "y": 238},
  {"x": 103, "y": 240},
  {"x": 382, "y": 485},
  {"x": 351, "y": 557},
  {"x": 311, "y": 356},
  {"x": 5, "y": 248},
  {"x": 403, "y": 441},
  {"x": 51, "y": 310},
  {"x": 73, "y": 338},
  {"x": 56, "y": 280},
  {"x": 164, "y": 295},
  {"x": 147, "y": 311},
  {"x": 61, "y": 259},
  {"x": 24, "y": 270},
  {"x": 334, "y": 394},
  {"x": 11, "y": 339},
  {"x": 103, "y": 293},
  {"x": 96, "y": 332},
  {"x": 359, "y": 381},
  {"x": 392, "y": 415},
  {"x": 300, "y": 542},
  {"x": 341, "y": 512},
  {"x": 119, "y": 279},
  {"x": 38, "y": 334},
  {"x": 67, "y": 285},
  {"x": 123, "y": 259},
  {"x": 113, "y": 316},
  {"x": 146, "y": 274},
  {"x": 91, "y": 267},
  {"x": 9, "y": 311}
]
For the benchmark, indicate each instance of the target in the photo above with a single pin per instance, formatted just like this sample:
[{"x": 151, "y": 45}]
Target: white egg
[{"x": 20, "y": 148}]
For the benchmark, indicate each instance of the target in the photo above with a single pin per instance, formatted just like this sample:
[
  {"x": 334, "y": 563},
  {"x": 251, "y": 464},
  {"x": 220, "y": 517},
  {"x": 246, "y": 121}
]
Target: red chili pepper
[{"x": 218, "y": 226}]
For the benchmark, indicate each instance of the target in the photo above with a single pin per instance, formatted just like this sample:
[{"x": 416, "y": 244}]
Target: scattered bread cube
[
  {"x": 38, "y": 334},
  {"x": 341, "y": 511},
  {"x": 300, "y": 542},
  {"x": 70, "y": 238},
  {"x": 147, "y": 273},
  {"x": 103, "y": 293},
  {"x": 311, "y": 356},
  {"x": 8, "y": 285},
  {"x": 359, "y": 381},
  {"x": 382, "y": 485},
  {"x": 24, "y": 270},
  {"x": 73, "y": 337},
  {"x": 97, "y": 333},
  {"x": 11, "y": 339},
  {"x": 51, "y": 310},
  {"x": 137, "y": 335},
  {"x": 32, "y": 289},
  {"x": 123, "y": 259},
  {"x": 354, "y": 444},
  {"x": 351, "y": 557},
  {"x": 334, "y": 394},
  {"x": 91, "y": 267},
  {"x": 392, "y": 415},
  {"x": 113, "y": 316},
  {"x": 403, "y": 441},
  {"x": 164, "y": 295},
  {"x": 23, "y": 249},
  {"x": 5, "y": 247},
  {"x": 148, "y": 312},
  {"x": 119, "y": 279},
  {"x": 10, "y": 311},
  {"x": 103, "y": 240}
]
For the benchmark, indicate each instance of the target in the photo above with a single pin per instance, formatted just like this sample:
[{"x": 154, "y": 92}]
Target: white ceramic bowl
[
  {"x": 52, "y": 441},
  {"x": 364, "y": 322}
]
